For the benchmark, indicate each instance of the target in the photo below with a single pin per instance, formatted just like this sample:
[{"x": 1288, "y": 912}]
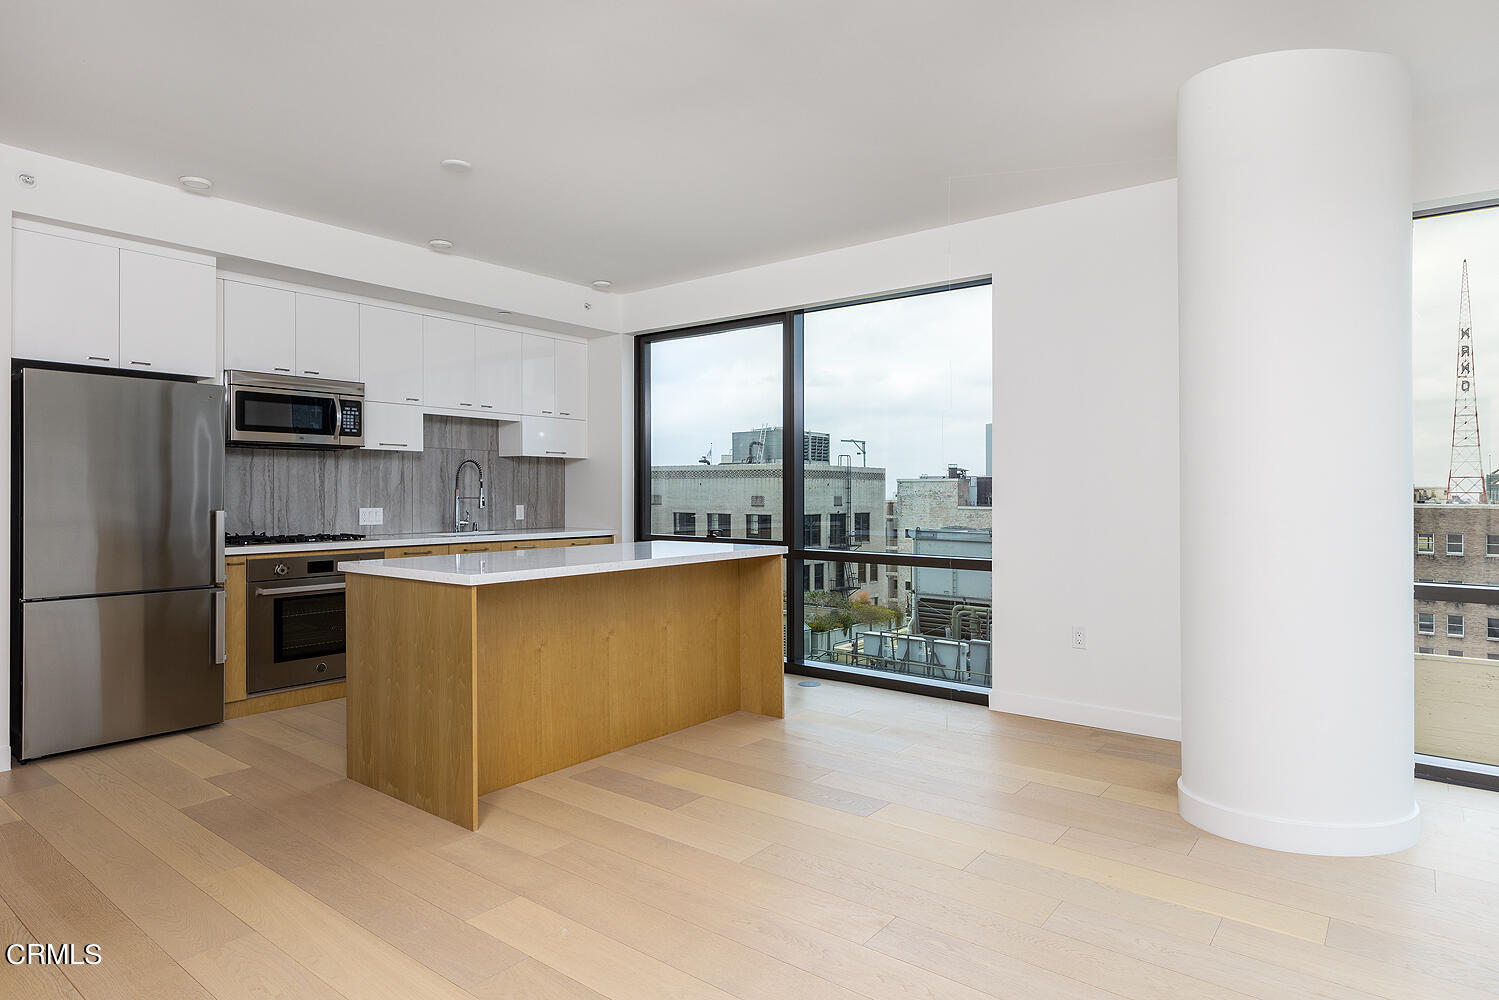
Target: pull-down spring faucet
[{"x": 462, "y": 519}]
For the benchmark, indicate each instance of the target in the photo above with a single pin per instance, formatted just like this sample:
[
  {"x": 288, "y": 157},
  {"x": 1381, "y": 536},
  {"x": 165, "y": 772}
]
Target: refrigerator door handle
[
  {"x": 220, "y": 614},
  {"x": 218, "y": 548}
]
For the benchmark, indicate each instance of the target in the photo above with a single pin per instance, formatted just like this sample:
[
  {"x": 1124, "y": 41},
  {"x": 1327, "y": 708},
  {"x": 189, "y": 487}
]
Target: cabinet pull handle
[
  {"x": 547, "y": 412},
  {"x": 95, "y": 357},
  {"x": 281, "y": 369},
  {"x": 145, "y": 363},
  {"x": 394, "y": 444},
  {"x": 556, "y": 453},
  {"x": 486, "y": 406},
  {"x": 565, "y": 413},
  {"x": 465, "y": 404},
  {"x": 309, "y": 371},
  {"x": 413, "y": 399},
  {"x": 525, "y": 546}
]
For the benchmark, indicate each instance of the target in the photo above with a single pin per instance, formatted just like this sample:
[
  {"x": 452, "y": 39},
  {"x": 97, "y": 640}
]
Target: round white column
[{"x": 1295, "y": 299}]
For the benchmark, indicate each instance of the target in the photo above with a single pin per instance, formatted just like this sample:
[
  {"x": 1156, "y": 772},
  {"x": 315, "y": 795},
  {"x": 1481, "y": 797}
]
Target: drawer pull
[
  {"x": 281, "y": 369},
  {"x": 525, "y": 546},
  {"x": 413, "y": 399},
  {"x": 95, "y": 357},
  {"x": 309, "y": 371},
  {"x": 145, "y": 364},
  {"x": 394, "y": 444},
  {"x": 465, "y": 404},
  {"x": 556, "y": 452}
]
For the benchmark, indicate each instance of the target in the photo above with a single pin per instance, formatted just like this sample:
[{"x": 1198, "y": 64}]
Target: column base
[{"x": 1296, "y": 837}]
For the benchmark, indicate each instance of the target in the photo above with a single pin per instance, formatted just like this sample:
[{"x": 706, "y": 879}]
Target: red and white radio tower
[{"x": 1465, "y": 478}]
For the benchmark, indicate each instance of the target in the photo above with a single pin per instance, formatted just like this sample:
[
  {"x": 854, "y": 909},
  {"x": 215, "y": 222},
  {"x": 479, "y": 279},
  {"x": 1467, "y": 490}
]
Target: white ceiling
[{"x": 652, "y": 141}]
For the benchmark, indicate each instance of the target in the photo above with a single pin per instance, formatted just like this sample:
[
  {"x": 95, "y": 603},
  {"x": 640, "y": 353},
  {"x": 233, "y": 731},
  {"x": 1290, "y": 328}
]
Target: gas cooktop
[{"x": 261, "y": 538}]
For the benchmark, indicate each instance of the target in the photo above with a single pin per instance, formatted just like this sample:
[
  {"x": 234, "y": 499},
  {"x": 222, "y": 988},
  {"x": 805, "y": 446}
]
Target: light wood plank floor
[{"x": 871, "y": 844}]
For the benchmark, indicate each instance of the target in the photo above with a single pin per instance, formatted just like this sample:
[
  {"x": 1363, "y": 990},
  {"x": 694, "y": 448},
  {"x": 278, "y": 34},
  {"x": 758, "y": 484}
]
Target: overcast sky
[
  {"x": 911, "y": 376},
  {"x": 1441, "y": 244}
]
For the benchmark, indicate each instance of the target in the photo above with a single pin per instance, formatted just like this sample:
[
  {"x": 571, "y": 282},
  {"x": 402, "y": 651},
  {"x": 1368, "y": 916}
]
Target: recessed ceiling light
[
  {"x": 603, "y": 285},
  {"x": 457, "y": 166},
  {"x": 195, "y": 183},
  {"x": 440, "y": 244}
]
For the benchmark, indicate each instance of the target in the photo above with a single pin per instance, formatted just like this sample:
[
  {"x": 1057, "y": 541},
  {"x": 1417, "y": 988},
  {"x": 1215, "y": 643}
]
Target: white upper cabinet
[
  {"x": 66, "y": 304},
  {"x": 167, "y": 315},
  {"x": 392, "y": 427},
  {"x": 538, "y": 375},
  {"x": 544, "y": 437},
  {"x": 95, "y": 300},
  {"x": 390, "y": 355},
  {"x": 497, "y": 370},
  {"x": 327, "y": 337},
  {"x": 572, "y": 379},
  {"x": 448, "y": 364},
  {"x": 260, "y": 328}
]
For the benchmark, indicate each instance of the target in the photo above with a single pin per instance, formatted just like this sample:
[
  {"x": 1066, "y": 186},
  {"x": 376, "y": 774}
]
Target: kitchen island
[{"x": 471, "y": 672}]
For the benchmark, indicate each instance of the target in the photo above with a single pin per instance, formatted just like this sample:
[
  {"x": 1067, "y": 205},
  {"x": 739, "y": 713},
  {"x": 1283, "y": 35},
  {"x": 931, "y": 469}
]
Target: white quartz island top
[{"x": 479, "y": 569}]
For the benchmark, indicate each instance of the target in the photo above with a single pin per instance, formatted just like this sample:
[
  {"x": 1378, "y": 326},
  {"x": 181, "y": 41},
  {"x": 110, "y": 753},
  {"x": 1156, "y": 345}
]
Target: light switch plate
[
  {"x": 371, "y": 515},
  {"x": 520, "y": 512}
]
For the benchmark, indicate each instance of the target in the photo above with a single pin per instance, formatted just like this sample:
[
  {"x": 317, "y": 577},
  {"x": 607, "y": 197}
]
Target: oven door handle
[{"x": 315, "y": 588}]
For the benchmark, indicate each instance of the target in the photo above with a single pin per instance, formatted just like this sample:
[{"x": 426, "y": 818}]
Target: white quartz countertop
[
  {"x": 481, "y": 568},
  {"x": 404, "y": 541}
]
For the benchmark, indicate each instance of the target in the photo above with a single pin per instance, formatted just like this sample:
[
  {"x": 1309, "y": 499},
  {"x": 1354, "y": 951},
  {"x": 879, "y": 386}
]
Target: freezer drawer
[
  {"x": 101, "y": 669},
  {"x": 120, "y": 479}
]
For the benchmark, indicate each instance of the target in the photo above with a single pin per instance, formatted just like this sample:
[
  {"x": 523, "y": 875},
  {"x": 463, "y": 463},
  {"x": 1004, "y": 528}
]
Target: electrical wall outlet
[
  {"x": 520, "y": 512},
  {"x": 371, "y": 515},
  {"x": 1079, "y": 637}
]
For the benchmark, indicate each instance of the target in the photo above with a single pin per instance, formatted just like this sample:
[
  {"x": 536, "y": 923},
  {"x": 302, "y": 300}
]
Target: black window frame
[{"x": 793, "y": 465}]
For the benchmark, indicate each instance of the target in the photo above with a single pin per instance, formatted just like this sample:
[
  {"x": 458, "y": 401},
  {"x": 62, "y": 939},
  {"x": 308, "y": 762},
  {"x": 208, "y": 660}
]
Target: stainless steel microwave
[{"x": 289, "y": 411}]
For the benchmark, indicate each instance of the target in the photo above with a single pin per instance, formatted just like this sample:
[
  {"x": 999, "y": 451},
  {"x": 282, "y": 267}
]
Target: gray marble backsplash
[{"x": 284, "y": 490}]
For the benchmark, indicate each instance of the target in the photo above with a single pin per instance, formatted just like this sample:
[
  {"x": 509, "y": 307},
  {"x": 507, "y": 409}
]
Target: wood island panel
[
  {"x": 412, "y": 654},
  {"x": 555, "y": 672}
]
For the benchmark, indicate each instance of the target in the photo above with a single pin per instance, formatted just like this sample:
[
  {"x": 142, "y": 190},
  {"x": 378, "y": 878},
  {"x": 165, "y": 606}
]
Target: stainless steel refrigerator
[{"x": 118, "y": 558}]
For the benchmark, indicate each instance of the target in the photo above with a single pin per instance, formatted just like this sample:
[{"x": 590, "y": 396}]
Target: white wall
[
  {"x": 1085, "y": 432},
  {"x": 600, "y": 491}
]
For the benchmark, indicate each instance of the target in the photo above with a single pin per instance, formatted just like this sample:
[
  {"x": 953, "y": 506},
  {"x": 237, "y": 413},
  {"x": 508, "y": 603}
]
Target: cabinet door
[
  {"x": 497, "y": 369},
  {"x": 572, "y": 379},
  {"x": 448, "y": 363},
  {"x": 260, "y": 326},
  {"x": 327, "y": 337},
  {"x": 66, "y": 304},
  {"x": 167, "y": 315},
  {"x": 390, "y": 355},
  {"x": 538, "y": 375},
  {"x": 392, "y": 427},
  {"x": 545, "y": 437}
]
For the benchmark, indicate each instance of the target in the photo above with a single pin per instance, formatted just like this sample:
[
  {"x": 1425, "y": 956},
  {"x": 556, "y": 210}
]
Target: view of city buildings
[{"x": 856, "y": 509}]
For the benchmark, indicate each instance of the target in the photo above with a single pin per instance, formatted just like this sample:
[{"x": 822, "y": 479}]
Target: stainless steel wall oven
[{"x": 294, "y": 619}]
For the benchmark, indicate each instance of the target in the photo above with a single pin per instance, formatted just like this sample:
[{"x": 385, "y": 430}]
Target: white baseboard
[
  {"x": 1347, "y": 840},
  {"x": 5, "y": 761},
  {"x": 1120, "y": 720}
]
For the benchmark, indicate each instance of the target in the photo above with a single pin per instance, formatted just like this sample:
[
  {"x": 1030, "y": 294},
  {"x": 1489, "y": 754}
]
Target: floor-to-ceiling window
[
  {"x": 857, "y": 435},
  {"x": 1455, "y": 543}
]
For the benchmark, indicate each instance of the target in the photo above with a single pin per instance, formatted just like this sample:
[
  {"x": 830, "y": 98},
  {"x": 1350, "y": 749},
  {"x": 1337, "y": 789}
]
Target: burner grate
[{"x": 262, "y": 538}]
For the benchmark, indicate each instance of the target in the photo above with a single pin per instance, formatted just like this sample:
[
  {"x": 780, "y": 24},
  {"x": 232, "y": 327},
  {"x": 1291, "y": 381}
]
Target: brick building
[{"x": 1457, "y": 544}]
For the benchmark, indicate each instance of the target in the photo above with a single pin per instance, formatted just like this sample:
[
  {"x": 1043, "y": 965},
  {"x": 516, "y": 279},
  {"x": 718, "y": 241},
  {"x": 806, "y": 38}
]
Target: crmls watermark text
[{"x": 52, "y": 954}]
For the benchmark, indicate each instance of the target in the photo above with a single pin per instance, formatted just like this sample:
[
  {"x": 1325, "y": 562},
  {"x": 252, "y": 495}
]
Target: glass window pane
[
  {"x": 715, "y": 446},
  {"x": 899, "y": 404},
  {"x": 897, "y": 621}
]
